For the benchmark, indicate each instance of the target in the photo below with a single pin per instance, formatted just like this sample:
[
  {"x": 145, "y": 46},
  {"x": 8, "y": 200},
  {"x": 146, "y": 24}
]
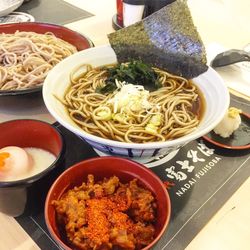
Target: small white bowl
[{"x": 210, "y": 83}]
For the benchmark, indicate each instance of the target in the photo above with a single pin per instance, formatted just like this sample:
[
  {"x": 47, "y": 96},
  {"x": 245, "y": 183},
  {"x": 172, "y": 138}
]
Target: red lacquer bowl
[
  {"x": 101, "y": 167},
  {"x": 80, "y": 41},
  {"x": 31, "y": 133}
]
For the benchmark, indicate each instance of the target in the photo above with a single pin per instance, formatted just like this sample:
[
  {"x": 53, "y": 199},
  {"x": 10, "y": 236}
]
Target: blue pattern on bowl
[{"x": 130, "y": 152}]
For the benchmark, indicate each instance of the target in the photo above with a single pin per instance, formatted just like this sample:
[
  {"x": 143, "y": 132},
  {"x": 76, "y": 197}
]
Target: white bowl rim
[{"x": 150, "y": 145}]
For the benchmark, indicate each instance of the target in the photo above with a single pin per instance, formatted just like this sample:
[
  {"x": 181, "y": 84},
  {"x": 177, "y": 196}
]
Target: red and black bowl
[
  {"x": 31, "y": 133},
  {"x": 78, "y": 40},
  {"x": 28, "y": 133},
  {"x": 101, "y": 167}
]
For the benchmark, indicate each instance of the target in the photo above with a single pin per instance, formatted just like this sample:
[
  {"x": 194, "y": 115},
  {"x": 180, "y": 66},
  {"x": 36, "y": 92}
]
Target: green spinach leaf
[{"x": 135, "y": 72}]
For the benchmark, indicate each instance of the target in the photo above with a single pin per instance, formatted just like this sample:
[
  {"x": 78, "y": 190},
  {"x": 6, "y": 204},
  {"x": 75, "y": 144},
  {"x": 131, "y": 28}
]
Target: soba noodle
[
  {"x": 27, "y": 57},
  {"x": 170, "y": 113}
]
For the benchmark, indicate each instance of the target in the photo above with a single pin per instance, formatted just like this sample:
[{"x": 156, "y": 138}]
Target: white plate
[
  {"x": 8, "y": 6},
  {"x": 16, "y": 17}
]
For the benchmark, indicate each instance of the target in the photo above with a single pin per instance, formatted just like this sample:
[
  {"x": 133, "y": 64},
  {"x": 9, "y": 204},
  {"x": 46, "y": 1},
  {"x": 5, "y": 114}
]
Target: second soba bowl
[{"x": 215, "y": 92}]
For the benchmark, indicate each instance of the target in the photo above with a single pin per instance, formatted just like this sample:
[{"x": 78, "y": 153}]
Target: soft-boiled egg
[
  {"x": 14, "y": 161},
  {"x": 19, "y": 163}
]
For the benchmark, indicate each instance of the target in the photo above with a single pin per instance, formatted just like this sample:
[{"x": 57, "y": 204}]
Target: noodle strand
[{"x": 94, "y": 113}]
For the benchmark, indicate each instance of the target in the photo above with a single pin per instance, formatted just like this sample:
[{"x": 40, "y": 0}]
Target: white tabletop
[{"x": 224, "y": 22}]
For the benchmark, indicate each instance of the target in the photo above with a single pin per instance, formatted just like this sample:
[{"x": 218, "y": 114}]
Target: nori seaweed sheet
[{"x": 167, "y": 39}]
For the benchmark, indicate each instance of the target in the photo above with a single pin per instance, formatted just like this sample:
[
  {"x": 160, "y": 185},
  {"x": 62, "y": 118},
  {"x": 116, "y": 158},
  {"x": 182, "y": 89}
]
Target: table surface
[{"x": 218, "y": 21}]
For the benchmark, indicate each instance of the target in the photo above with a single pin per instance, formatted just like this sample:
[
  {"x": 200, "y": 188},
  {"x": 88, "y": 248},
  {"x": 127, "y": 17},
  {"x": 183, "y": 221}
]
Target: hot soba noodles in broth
[{"x": 133, "y": 102}]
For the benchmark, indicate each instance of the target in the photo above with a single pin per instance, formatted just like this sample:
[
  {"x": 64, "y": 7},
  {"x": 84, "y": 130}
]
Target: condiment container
[
  {"x": 119, "y": 10},
  {"x": 132, "y": 11},
  {"x": 155, "y": 5}
]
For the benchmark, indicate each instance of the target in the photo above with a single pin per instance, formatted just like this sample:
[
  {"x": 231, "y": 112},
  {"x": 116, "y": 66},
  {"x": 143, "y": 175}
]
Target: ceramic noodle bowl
[
  {"x": 212, "y": 87},
  {"x": 131, "y": 152}
]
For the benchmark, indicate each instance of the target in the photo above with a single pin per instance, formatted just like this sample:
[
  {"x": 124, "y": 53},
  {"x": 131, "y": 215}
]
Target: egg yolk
[
  {"x": 3, "y": 156},
  {"x": 14, "y": 161}
]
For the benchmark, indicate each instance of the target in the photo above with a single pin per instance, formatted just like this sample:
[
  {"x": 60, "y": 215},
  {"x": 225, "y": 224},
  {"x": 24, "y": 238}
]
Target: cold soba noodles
[
  {"x": 27, "y": 57},
  {"x": 110, "y": 102}
]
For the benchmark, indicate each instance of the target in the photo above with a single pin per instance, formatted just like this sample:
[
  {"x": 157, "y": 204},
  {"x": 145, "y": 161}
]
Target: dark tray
[
  {"x": 200, "y": 178},
  {"x": 53, "y": 11}
]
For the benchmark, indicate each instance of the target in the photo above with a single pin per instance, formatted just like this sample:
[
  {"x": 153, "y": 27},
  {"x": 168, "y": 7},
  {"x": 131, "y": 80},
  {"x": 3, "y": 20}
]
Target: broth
[{"x": 104, "y": 105}]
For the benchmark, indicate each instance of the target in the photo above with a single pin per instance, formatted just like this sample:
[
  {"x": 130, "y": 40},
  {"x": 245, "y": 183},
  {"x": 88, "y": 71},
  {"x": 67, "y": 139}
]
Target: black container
[{"x": 155, "y": 5}]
